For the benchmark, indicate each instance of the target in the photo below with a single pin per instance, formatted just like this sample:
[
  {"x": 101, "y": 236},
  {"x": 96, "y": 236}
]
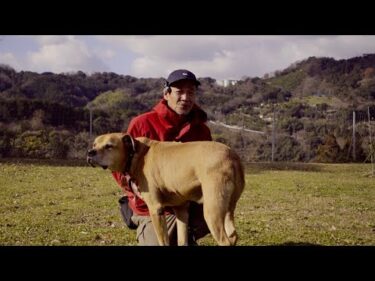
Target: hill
[{"x": 47, "y": 115}]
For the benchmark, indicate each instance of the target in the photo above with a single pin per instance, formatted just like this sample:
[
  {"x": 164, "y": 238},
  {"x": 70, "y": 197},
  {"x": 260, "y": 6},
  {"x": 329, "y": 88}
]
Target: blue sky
[{"x": 219, "y": 57}]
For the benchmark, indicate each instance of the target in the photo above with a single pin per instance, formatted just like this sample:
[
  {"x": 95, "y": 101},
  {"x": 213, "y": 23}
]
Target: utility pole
[
  {"x": 371, "y": 144},
  {"x": 273, "y": 134},
  {"x": 353, "y": 141},
  {"x": 90, "y": 137},
  {"x": 242, "y": 135}
]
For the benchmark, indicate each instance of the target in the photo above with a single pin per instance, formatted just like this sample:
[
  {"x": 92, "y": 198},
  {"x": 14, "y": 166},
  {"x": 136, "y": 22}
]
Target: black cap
[{"x": 181, "y": 74}]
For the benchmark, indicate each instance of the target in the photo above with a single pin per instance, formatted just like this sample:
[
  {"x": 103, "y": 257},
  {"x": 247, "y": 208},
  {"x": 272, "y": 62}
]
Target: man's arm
[{"x": 206, "y": 133}]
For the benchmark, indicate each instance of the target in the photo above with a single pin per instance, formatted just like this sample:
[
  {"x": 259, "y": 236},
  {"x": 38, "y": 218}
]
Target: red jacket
[{"x": 163, "y": 124}]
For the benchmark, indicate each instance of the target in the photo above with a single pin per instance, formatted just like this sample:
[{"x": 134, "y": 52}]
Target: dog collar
[{"x": 130, "y": 156}]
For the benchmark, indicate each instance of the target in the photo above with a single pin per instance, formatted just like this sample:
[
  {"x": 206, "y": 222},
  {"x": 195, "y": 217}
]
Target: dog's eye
[{"x": 108, "y": 146}]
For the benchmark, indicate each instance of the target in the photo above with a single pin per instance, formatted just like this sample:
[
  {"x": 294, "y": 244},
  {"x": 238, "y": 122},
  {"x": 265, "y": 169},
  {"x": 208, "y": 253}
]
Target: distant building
[
  {"x": 226, "y": 82},
  {"x": 269, "y": 75}
]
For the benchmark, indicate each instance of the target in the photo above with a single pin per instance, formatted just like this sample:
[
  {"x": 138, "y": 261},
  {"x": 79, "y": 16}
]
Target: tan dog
[{"x": 172, "y": 174}]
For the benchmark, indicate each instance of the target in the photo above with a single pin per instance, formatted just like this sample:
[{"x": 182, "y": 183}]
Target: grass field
[{"x": 62, "y": 203}]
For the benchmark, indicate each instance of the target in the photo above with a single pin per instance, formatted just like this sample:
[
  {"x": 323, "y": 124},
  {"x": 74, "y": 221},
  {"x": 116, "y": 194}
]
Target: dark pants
[{"x": 146, "y": 235}]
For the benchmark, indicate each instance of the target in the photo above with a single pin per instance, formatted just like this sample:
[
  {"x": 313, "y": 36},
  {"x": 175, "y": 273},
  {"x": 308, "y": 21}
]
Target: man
[{"x": 175, "y": 118}]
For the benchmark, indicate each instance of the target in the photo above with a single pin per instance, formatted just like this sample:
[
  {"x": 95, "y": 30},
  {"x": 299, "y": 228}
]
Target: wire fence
[{"x": 310, "y": 136}]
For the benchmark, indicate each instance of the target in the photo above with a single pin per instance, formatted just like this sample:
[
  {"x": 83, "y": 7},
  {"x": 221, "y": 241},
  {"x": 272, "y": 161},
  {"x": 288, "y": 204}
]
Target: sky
[{"x": 218, "y": 57}]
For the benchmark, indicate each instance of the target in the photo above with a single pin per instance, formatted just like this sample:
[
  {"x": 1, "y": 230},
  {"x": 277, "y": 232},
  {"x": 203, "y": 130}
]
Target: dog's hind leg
[
  {"x": 238, "y": 187},
  {"x": 229, "y": 217},
  {"x": 182, "y": 217}
]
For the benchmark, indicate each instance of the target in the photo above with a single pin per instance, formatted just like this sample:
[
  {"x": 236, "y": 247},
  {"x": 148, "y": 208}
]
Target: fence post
[
  {"x": 273, "y": 135},
  {"x": 353, "y": 141},
  {"x": 90, "y": 137},
  {"x": 371, "y": 145}
]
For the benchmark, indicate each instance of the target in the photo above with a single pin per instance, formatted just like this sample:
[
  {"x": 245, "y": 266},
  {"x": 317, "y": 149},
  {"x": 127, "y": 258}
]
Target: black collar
[{"x": 131, "y": 149}]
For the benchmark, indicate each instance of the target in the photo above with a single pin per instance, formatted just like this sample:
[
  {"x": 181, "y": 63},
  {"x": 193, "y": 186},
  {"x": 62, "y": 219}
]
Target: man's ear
[
  {"x": 167, "y": 90},
  {"x": 128, "y": 141}
]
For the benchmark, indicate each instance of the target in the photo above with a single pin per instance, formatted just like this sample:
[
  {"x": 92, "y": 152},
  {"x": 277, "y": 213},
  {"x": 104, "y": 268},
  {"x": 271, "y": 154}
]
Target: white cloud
[
  {"x": 65, "y": 54},
  {"x": 10, "y": 59},
  {"x": 54, "y": 39},
  {"x": 104, "y": 53},
  {"x": 155, "y": 56},
  {"x": 205, "y": 55},
  {"x": 234, "y": 56}
]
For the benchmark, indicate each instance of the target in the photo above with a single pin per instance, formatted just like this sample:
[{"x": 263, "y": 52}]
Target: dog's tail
[{"x": 230, "y": 229}]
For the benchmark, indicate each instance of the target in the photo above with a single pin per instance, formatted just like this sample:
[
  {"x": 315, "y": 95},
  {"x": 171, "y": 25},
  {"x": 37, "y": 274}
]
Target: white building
[{"x": 226, "y": 82}]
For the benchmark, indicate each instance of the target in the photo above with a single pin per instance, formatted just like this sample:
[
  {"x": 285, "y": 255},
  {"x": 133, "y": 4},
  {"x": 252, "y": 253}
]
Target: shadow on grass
[
  {"x": 46, "y": 162},
  {"x": 282, "y": 166}
]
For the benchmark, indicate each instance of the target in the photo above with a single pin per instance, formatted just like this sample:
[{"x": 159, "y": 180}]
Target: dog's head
[{"x": 111, "y": 151}]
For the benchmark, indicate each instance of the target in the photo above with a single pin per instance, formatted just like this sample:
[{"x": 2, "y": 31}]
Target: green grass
[
  {"x": 288, "y": 81},
  {"x": 315, "y": 100},
  {"x": 56, "y": 203},
  {"x": 59, "y": 205}
]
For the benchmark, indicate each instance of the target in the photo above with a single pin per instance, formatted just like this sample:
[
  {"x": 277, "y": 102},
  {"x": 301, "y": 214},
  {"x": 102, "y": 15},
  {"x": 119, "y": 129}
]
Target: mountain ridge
[{"x": 304, "y": 95}]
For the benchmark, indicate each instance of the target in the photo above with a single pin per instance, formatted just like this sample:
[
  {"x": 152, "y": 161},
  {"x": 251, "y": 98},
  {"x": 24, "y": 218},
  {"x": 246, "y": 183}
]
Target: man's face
[{"x": 182, "y": 97}]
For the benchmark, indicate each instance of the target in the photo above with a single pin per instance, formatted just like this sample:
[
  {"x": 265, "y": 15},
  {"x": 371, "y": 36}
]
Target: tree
[
  {"x": 78, "y": 145},
  {"x": 58, "y": 146},
  {"x": 36, "y": 121},
  {"x": 328, "y": 152}
]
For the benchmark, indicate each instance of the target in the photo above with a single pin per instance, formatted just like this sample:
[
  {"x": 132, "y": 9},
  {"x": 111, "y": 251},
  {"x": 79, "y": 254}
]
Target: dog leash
[{"x": 133, "y": 187}]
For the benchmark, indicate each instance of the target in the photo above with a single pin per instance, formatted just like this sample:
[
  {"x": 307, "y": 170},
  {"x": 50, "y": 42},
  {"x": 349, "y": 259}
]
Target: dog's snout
[{"x": 91, "y": 152}]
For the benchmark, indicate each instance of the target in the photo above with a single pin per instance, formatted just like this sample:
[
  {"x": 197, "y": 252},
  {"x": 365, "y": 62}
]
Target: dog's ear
[{"x": 128, "y": 142}]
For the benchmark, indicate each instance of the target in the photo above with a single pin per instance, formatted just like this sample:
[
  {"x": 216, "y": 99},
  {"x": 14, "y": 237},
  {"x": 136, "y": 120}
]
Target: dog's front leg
[
  {"x": 157, "y": 218},
  {"x": 160, "y": 225},
  {"x": 182, "y": 217}
]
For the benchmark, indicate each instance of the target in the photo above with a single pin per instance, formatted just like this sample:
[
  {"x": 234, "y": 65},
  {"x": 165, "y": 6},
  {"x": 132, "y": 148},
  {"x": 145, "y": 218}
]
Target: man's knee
[{"x": 146, "y": 235}]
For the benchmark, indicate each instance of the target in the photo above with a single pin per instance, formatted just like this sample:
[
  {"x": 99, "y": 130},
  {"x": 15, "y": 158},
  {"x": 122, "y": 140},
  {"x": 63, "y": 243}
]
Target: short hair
[{"x": 167, "y": 90}]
